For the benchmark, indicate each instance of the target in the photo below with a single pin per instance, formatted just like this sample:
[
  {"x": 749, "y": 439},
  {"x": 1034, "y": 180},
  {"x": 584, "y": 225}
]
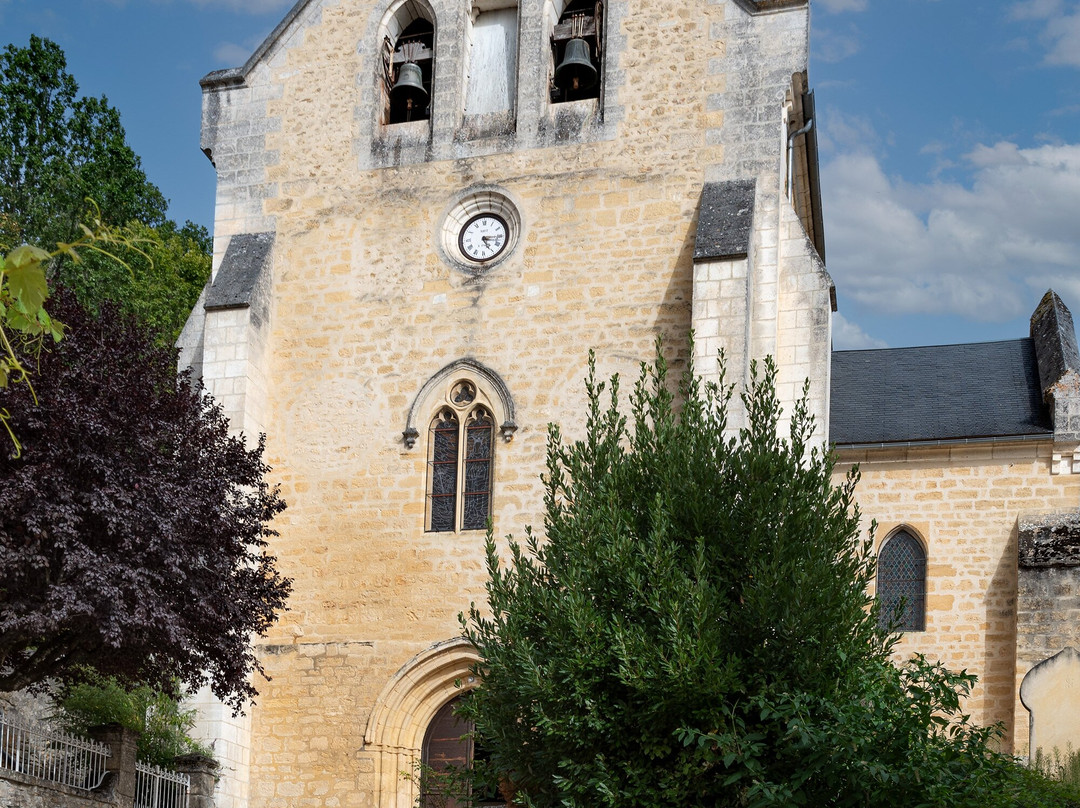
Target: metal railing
[
  {"x": 53, "y": 756},
  {"x": 156, "y": 787}
]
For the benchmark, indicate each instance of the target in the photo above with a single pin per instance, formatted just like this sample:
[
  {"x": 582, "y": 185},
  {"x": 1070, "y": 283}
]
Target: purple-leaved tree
[{"x": 133, "y": 527}]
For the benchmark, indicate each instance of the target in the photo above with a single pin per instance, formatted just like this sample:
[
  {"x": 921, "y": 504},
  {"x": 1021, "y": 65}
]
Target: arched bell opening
[
  {"x": 577, "y": 51},
  {"x": 408, "y": 63}
]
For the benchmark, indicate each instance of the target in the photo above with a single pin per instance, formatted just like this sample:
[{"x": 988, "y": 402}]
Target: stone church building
[{"x": 428, "y": 211}]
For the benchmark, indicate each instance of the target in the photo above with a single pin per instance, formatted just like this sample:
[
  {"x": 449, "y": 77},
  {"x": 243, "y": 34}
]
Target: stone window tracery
[
  {"x": 462, "y": 439},
  {"x": 456, "y": 416},
  {"x": 901, "y": 582}
]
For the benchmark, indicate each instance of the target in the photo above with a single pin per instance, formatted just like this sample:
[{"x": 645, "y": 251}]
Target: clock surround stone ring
[{"x": 480, "y": 230}]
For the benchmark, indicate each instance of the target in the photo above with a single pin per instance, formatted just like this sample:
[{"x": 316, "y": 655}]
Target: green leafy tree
[
  {"x": 156, "y": 276},
  {"x": 694, "y": 628},
  {"x": 57, "y": 149},
  {"x": 65, "y": 160},
  {"x": 164, "y": 726}
]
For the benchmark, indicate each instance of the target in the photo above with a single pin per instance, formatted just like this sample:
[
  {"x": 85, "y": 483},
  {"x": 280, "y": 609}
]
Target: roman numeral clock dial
[{"x": 483, "y": 237}]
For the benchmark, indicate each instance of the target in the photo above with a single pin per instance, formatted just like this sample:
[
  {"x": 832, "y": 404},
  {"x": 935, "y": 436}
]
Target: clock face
[{"x": 483, "y": 237}]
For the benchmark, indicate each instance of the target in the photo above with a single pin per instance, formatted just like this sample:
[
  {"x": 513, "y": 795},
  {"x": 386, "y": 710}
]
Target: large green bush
[
  {"x": 164, "y": 725},
  {"x": 693, "y": 628}
]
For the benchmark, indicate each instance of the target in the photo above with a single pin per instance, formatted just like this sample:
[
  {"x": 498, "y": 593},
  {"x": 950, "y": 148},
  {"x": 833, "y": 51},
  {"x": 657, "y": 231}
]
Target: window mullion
[{"x": 459, "y": 516}]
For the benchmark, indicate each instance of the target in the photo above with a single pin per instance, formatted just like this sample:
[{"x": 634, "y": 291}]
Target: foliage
[
  {"x": 1054, "y": 781},
  {"x": 441, "y": 787},
  {"x": 1058, "y": 765},
  {"x": 694, "y": 627},
  {"x": 133, "y": 527},
  {"x": 164, "y": 726},
  {"x": 57, "y": 149},
  {"x": 157, "y": 276},
  {"x": 24, "y": 323}
]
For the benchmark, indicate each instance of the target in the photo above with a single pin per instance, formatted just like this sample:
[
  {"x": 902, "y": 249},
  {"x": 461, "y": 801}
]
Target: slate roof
[
  {"x": 725, "y": 220},
  {"x": 244, "y": 262},
  {"x": 942, "y": 392}
]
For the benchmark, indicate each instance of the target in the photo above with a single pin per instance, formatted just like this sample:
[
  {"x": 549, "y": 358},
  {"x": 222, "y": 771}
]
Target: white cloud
[
  {"x": 1035, "y": 9},
  {"x": 847, "y": 336},
  {"x": 980, "y": 250},
  {"x": 836, "y": 6},
  {"x": 1061, "y": 31},
  {"x": 834, "y": 46},
  {"x": 247, "y": 6},
  {"x": 229, "y": 54}
]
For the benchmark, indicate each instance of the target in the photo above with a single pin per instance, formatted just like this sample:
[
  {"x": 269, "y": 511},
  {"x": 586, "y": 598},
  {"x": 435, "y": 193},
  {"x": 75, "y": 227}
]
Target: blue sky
[{"x": 950, "y": 135}]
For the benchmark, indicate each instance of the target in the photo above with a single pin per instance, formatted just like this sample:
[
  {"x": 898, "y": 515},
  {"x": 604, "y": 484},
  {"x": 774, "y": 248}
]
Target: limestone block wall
[
  {"x": 1048, "y": 624},
  {"x": 19, "y": 791},
  {"x": 796, "y": 327},
  {"x": 231, "y": 738},
  {"x": 721, "y": 321},
  {"x": 785, "y": 306},
  {"x": 365, "y": 305},
  {"x": 962, "y": 502}
]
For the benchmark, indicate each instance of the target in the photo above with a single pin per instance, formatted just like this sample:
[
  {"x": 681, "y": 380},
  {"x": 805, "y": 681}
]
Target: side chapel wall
[{"x": 964, "y": 502}]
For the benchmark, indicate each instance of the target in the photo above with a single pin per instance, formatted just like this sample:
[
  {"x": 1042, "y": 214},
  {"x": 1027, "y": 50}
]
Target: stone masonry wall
[
  {"x": 17, "y": 791},
  {"x": 365, "y": 309},
  {"x": 963, "y": 502},
  {"x": 1048, "y": 611}
]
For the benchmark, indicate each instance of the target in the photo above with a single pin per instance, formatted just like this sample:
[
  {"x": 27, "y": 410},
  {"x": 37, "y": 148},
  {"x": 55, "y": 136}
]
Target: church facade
[{"x": 428, "y": 211}]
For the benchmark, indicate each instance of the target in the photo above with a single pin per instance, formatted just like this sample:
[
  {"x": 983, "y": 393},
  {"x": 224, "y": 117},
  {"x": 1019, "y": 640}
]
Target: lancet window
[
  {"x": 408, "y": 63},
  {"x": 901, "y": 582}
]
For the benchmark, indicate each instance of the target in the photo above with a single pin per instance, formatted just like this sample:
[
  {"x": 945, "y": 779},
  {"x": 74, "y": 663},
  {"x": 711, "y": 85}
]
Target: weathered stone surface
[
  {"x": 1055, "y": 340},
  {"x": 765, "y": 6},
  {"x": 17, "y": 791},
  {"x": 1054, "y": 335},
  {"x": 1051, "y": 540},
  {"x": 246, "y": 262},
  {"x": 203, "y": 772},
  {"x": 725, "y": 220},
  {"x": 120, "y": 765}
]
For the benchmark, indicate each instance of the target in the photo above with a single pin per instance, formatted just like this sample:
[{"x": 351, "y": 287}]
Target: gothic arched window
[
  {"x": 461, "y": 443},
  {"x": 901, "y": 583}
]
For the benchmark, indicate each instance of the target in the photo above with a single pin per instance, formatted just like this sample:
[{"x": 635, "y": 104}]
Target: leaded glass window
[
  {"x": 901, "y": 583},
  {"x": 479, "y": 432},
  {"x": 444, "y": 470},
  {"x": 460, "y": 455}
]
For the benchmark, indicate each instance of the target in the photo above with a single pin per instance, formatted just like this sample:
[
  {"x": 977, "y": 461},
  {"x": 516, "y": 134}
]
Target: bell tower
[{"x": 428, "y": 211}]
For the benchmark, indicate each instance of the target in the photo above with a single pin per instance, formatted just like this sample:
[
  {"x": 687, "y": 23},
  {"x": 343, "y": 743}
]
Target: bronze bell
[
  {"x": 576, "y": 70},
  {"x": 409, "y": 87}
]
